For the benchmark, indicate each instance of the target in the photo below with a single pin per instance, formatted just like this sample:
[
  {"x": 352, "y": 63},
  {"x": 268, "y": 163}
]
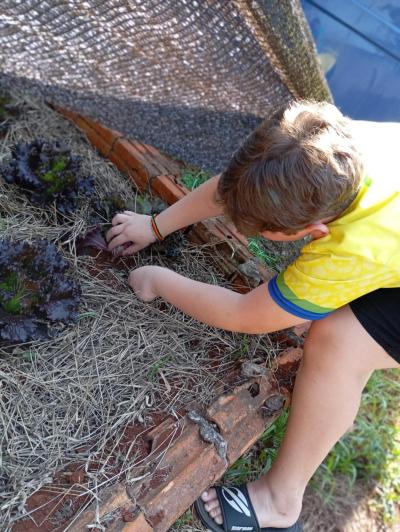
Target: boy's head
[{"x": 298, "y": 169}]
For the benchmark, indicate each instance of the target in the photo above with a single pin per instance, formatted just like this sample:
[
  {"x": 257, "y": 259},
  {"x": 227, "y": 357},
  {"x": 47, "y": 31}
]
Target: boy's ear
[{"x": 317, "y": 230}]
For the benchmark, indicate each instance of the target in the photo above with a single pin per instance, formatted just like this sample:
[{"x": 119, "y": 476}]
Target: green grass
[
  {"x": 371, "y": 450},
  {"x": 259, "y": 459},
  {"x": 185, "y": 520},
  {"x": 154, "y": 369},
  {"x": 256, "y": 248},
  {"x": 193, "y": 178}
]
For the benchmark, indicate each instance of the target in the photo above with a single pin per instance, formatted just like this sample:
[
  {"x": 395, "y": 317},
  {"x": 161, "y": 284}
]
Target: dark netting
[{"x": 190, "y": 77}]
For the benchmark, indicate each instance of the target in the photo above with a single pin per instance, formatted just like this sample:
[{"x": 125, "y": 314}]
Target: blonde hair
[{"x": 299, "y": 166}]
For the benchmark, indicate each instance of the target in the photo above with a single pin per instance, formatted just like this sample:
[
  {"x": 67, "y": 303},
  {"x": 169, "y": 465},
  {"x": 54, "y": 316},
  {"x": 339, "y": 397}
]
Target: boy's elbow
[
  {"x": 259, "y": 314},
  {"x": 248, "y": 317}
]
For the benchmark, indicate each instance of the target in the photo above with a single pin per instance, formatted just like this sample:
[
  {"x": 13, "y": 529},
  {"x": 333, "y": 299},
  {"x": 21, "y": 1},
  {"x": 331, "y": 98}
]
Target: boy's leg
[{"x": 339, "y": 357}]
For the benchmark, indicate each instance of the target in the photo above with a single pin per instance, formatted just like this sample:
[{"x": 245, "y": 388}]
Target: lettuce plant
[
  {"x": 48, "y": 173},
  {"x": 93, "y": 238},
  {"x": 102, "y": 212},
  {"x": 36, "y": 292},
  {"x": 105, "y": 209}
]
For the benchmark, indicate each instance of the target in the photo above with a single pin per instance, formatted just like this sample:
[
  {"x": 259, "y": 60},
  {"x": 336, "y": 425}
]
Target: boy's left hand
[{"x": 142, "y": 281}]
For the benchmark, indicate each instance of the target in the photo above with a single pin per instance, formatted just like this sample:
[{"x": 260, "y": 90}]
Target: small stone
[
  {"x": 250, "y": 269},
  {"x": 249, "y": 370},
  {"x": 273, "y": 404}
]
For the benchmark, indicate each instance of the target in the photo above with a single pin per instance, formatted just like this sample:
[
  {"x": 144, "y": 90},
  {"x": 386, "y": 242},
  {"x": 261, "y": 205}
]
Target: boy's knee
[
  {"x": 326, "y": 345},
  {"x": 332, "y": 344},
  {"x": 322, "y": 337}
]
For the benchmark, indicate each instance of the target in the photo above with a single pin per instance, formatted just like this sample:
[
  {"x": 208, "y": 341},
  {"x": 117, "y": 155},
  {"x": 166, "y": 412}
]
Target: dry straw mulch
[{"x": 68, "y": 400}]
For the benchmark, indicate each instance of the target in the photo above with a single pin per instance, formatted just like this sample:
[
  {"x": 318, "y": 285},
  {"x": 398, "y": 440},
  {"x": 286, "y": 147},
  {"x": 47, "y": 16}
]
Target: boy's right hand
[{"x": 132, "y": 228}]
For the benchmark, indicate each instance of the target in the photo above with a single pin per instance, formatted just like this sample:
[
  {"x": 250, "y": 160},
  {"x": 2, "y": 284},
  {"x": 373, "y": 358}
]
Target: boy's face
[{"x": 315, "y": 230}]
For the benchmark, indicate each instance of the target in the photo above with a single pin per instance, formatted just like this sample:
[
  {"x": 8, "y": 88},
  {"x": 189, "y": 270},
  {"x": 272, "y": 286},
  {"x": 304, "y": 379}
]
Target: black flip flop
[{"x": 237, "y": 512}]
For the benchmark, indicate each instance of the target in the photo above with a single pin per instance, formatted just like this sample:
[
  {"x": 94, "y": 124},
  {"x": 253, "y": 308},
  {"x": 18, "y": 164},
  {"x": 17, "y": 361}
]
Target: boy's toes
[
  {"x": 209, "y": 495},
  {"x": 212, "y": 505},
  {"x": 217, "y": 516}
]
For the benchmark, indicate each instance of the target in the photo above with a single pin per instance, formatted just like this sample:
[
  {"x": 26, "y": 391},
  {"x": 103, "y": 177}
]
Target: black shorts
[{"x": 379, "y": 314}]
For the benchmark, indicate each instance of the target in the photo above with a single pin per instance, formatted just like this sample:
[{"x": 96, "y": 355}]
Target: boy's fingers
[
  {"x": 132, "y": 249},
  {"x": 117, "y": 241},
  {"x": 119, "y": 218},
  {"x": 114, "y": 231}
]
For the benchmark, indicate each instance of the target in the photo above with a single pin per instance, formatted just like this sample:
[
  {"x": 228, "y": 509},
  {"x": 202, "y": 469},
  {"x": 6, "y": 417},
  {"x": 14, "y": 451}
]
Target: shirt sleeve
[{"x": 315, "y": 284}]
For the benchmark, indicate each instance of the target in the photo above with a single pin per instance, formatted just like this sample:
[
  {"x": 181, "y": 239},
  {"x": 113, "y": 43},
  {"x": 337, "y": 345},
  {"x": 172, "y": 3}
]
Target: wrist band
[{"x": 156, "y": 231}]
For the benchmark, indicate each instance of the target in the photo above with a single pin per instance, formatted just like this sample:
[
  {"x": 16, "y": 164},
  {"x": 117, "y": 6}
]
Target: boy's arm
[
  {"x": 253, "y": 313},
  {"x": 196, "y": 206},
  {"x": 136, "y": 228}
]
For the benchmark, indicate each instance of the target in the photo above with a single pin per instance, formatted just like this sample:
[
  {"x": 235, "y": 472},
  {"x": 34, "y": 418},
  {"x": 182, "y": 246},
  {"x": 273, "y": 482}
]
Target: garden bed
[{"x": 77, "y": 409}]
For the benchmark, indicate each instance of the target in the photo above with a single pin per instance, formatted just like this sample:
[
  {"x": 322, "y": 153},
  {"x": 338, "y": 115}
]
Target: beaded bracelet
[{"x": 156, "y": 230}]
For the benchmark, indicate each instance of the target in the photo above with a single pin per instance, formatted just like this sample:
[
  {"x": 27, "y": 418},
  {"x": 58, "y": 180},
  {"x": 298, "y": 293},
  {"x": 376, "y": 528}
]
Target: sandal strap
[{"x": 237, "y": 511}]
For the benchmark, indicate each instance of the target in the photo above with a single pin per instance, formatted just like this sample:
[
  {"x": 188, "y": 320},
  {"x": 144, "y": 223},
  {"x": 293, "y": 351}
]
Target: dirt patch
[
  {"x": 350, "y": 510},
  {"x": 50, "y": 509}
]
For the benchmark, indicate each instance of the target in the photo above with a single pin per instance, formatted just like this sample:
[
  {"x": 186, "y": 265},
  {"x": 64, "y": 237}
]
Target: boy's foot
[{"x": 269, "y": 511}]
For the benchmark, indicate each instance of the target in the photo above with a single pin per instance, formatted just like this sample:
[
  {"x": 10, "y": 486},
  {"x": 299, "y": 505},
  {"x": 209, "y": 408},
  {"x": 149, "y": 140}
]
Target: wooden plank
[{"x": 190, "y": 465}]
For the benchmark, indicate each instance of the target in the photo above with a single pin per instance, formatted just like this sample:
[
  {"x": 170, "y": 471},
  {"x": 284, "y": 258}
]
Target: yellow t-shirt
[{"x": 360, "y": 254}]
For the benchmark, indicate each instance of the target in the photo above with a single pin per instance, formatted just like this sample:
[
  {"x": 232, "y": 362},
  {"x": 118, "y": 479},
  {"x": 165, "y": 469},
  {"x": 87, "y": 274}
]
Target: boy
[{"x": 306, "y": 171}]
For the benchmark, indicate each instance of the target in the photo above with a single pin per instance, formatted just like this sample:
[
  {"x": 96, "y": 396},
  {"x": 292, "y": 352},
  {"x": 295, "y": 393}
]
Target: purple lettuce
[
  {"x": 37, "y": 293},
  {"x": 92, "y": 239},
  {"x": 48, "y": 174}
]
